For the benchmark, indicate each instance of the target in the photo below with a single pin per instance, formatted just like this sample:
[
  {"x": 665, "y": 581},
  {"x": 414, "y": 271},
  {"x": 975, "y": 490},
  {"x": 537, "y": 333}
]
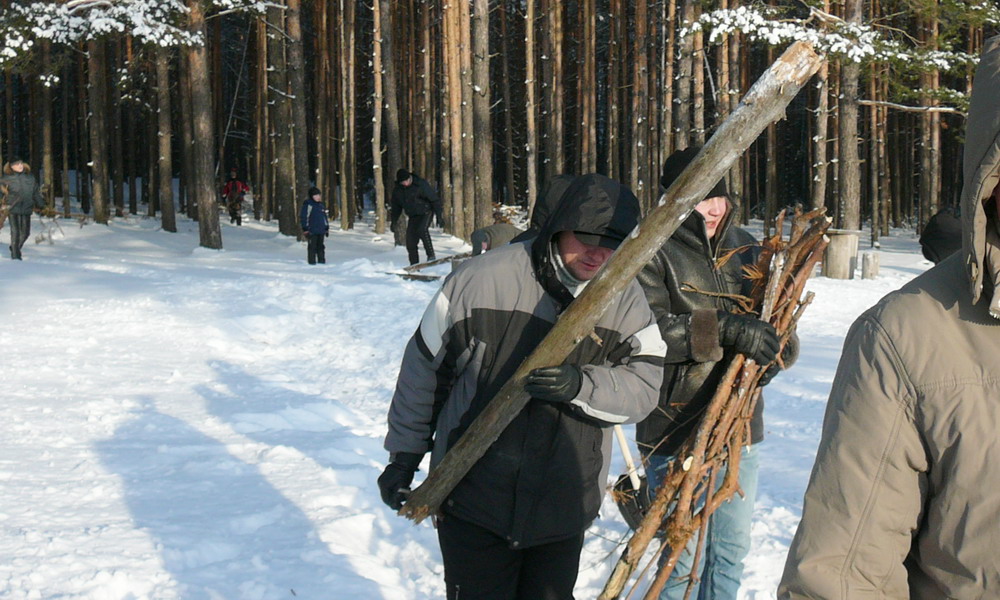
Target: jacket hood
[
  {"x": 982, "y": 170},
  {"x": 7, "y": 170},
  {"x": 591, "y": 204}
]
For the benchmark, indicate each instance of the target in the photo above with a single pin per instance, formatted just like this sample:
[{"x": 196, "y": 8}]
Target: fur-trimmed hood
[{"x": 7, "y": 170}]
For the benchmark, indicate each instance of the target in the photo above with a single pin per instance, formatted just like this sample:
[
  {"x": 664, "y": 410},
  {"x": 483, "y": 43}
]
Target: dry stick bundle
[{"x": 717, "y": 442}]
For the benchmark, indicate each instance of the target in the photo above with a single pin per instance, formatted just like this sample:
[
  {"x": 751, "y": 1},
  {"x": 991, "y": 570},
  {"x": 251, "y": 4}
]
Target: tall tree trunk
[
  {"x": 588, "y": 89},
  {"x": 347, "y": 195},
  {"x": 98, "y": 126},
  {"x": 203, "y": 183},
  {"x": 698, "y": 83},
  {"x": 640, "y": 126},
  {"x": 187, "y": 136},
  {"x": 165, "y": 133},
  {"x": 468, "y": 122},
  {"x": 482, "y": 128},
  {"x": 820, "y": 134},
  {"x": 378, "y": 181},
  {"x": 48, "y": 164},
  {"x": 684, "y": 78},
  {"x": 555, "y": 130},
  {"x": 285, "y": 201},
  {"x": 510, "y": 196},
  {"x": 849, "y": 178},
  {"x": 617, "y": 18},
  {"x": 297, "y": 89},
  {"x": 65, "y": 140},
  {"x": 531, "y": 104},
  {"x": 393, "y": 141}
]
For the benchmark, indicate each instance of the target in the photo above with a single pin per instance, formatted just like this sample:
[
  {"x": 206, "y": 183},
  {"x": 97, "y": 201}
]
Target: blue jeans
[{"x": 727, "y": 541}]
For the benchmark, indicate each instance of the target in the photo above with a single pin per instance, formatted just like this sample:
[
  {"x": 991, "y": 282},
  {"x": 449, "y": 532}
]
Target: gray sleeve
[
  {"x": 418, "y": 387},
  {"x": 627, "y": 391}
]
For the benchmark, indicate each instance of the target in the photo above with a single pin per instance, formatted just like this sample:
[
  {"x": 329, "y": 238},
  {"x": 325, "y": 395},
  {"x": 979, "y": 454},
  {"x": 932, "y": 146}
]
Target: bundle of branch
[{"x": 688, "y": 496}]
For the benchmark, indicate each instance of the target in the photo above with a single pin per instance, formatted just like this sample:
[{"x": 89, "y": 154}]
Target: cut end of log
[{"x": 415, "y": 513}]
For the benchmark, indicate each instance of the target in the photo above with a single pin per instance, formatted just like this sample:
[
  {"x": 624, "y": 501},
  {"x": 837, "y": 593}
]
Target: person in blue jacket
[{"x": 315, "y": 226}]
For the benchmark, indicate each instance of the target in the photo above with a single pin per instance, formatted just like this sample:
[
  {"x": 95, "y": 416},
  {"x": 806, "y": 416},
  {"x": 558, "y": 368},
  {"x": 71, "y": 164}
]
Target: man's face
[
  {"x": 582, "y": 260},
  {"x": 714, "y": 210},
  {"x": 406, "y": 182},
  {"x": 317, "y": 198},
  {"x": 18, "y": 167}
]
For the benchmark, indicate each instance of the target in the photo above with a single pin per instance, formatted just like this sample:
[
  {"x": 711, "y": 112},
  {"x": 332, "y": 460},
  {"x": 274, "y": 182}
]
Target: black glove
[
  {"x": 749, "y": 336},
  {"x": 555, "y": 384},
  {"x": 768, "y": 375},
  {"x": 440, "y": 220},
  {"x": 394, "y": 482}
]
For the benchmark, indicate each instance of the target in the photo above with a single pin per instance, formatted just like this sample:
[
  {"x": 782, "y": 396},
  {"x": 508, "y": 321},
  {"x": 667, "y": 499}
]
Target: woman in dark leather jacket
[{"x": 690, "y": 285}]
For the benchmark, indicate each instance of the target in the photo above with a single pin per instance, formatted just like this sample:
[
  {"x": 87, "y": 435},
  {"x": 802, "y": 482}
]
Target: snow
[{"x": 189, "y": 423}]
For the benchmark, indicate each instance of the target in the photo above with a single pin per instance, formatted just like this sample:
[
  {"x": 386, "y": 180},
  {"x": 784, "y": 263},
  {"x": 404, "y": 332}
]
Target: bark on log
[{"x": 763, "y": 104}]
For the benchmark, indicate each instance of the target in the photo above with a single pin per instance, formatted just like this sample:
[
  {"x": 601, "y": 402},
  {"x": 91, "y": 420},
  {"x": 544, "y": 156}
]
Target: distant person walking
[
  {"x": 414, "y": 196},
  {"x": 23, "y": 197},
  {"x": 315, "y": 226},
  {"x": 232, "y": 195}
]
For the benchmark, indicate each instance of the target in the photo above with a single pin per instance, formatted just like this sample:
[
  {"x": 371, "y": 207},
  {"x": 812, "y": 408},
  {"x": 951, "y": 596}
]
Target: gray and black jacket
[
  {"x": 22, "y": 192},
  {"x": 541, "y": 481},
  {"x": 686, "y": 287}
]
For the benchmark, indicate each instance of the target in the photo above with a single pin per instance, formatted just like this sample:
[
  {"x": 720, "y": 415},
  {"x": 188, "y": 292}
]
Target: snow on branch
[
  {"x": 155, "y": 22},
  {"x": 833, "y": 36}
]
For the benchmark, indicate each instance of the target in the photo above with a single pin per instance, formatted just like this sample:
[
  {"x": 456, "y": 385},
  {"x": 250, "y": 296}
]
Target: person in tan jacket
[{"x": 902, "y": 501}]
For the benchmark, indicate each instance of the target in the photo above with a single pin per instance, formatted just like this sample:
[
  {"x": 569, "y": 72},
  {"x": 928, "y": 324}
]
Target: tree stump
[
  {"x": 869, "y": 265},
  {"x": 841, "y": 258}
]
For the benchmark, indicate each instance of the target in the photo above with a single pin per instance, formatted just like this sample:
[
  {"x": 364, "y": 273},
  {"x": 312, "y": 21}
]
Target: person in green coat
[{"x": 23, "y": 197}]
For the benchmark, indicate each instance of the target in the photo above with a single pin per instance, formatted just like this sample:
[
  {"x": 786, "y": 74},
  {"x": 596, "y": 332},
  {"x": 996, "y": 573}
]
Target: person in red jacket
[{"x": 232, "y": 195}]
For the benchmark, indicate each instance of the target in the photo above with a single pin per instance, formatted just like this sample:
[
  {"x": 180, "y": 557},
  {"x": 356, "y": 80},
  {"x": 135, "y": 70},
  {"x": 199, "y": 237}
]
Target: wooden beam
[{"x": 764, "y": 103}]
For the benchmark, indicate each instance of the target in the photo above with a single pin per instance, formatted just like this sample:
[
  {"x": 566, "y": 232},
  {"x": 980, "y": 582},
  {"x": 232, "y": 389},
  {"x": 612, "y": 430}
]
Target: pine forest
[{"x": 149, "y": 104}]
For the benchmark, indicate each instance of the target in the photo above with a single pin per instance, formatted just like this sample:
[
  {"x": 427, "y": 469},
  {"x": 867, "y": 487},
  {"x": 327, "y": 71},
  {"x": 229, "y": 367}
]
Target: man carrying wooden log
[
  {"x": 692, "y": 284},
  {"x": 513, "y": 527},
  {"x": 902, "y": 501}
]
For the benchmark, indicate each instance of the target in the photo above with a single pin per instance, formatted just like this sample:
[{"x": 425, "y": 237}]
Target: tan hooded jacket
[{"x": 904, "y": 498}]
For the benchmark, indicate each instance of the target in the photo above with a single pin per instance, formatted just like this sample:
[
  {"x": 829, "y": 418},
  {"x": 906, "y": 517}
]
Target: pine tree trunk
[
  {"x": 849, "y": 179},
  {"x": 117, "y": 162},
  {"x": 588, "y": 89},
  {"x": 482, "y": 128},
  {"x": 531, "y": 104},
  {"x": 347, "y": 195},
  {"x": 203, "y": 183},
  {"x": 640, "y": 98},
  {"x": 394, "y": 156},
  {"x": 468, "y": 122},
  {"x": 284, "y": 199},
  {"x": 684, "y": 76},
  {"x": 165, "y": 133},
  {"x": 820, "y": 134},
  {"x": 48, "y": 164},
  {"x": 698, "y": 84},
  {"x": 64, "y": 141},
  {"x": 510, "y": 195},
  {"x": 378, "y": 101},
  {"x": 297, "y": 89},
  {"x": 555, "y": 131},
  {"x": 187, "y": 136},
  {"x": 98, "y": 126},
  {"x": 617, "y": 18}
]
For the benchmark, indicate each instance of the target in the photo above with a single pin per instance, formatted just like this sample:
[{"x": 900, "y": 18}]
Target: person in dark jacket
[
  {"x": 415, "y": 197},
  {"x": 232, "y": 195},
  {"x": 690, "y": 291},
  {"x": 315, "y": 226},
  {"x": 513, "y": 527},
  {"x": 942, "y": 236},
  {"x": 23, "y": 198}
]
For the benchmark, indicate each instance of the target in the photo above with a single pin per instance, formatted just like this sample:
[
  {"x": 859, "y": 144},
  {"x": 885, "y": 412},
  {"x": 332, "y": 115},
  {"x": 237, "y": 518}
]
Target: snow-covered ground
[{"x": 177, "y": 422}]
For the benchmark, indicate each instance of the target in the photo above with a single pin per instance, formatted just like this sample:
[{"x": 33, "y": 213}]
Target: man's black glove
[
  {"x": 749, "y": 336},
  {"x": 440, "y": 219},
  {"x": 555, "y": 384},
  {"x": 394, "y": 482}
]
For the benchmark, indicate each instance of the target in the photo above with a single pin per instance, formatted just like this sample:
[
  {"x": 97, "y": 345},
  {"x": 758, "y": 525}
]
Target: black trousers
[
  {"x": 20, "y": 229},
  {"x": 316, "y": 248},
  {"x": 479, "y": 565},
  {"x": 417, "y": 229}
]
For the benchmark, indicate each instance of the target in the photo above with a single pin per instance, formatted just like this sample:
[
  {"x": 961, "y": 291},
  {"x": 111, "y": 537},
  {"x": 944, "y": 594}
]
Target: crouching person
[{"x": 513, "y": 527}]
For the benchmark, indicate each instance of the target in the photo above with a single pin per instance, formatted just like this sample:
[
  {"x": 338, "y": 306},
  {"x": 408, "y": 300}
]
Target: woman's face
[
  {"x": 714, "y": 210},
  {"x": 18, "y": 167}
]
